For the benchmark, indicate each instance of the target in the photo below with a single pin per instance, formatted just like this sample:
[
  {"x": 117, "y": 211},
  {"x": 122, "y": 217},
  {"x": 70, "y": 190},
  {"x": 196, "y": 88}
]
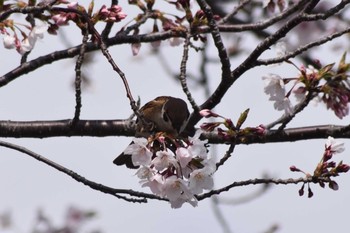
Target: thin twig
[
  {"x": 140, "y": 197},
  {"x": 261, "y": 181},
  {"x": 226, "y": 156},
  {"x": 222, "y": 53},
  {"x": 286, "y": 118},
  {"x": 234, "y": 12},
  {"x": 182, "y": 76},
  {"x": 77, "y": 82},
  {"x": 302, "y": 49}
]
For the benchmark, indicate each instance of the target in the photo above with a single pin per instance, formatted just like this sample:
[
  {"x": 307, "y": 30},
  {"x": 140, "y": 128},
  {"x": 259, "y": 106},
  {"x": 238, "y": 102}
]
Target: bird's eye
[{"x": 165, "y": 117}]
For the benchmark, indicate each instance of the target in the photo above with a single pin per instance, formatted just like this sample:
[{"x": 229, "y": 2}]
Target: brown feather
[{"x": 163, "y": 114}]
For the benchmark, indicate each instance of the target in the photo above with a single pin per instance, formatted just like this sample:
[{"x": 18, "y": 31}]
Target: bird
[{"x": 164, "y": 114}]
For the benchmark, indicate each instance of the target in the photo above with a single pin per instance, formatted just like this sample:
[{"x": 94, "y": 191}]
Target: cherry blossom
[
  {"x": 155, "y": 183},
  {"x": 176, "y": 171},
  {"x": 111, "y": 14},
  {"x": 36, "y": 33},
  {"x": 28, "y": 43},
  {"x": 184, "y": 156},
  {"x": 177, "y": 192},
  {"x": 208, "y": 113},
  {"x": 140, "y": 154},
  {"x": 201, "y": 179},
  {"x": 63, "y": 18},
  {"x": 197, "y": 148},
  {"x": 275, "y": 88},
  {"x": 135, "y": 48},
  {"x": 334, "y": 146},
  {"x": 283, "y": 104},
  {"x": 164, "y": 159},
  {"x": 9, "y": 41}
]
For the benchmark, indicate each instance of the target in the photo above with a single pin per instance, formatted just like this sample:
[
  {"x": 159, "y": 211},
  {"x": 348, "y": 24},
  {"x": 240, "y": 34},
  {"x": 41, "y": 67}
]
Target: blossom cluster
[
  {"x": 28, "y": 42},
  {"x": 172, "y": 168},
  {"x": 106, "y": 14},
  {"x": 191, "y": 20},
  {"x": 281, "y": 4},
  {"x": 326, "y": 168},
  {"x": 51, "y": 22},
  {"x": 328, "y": 85},
  {"x": 231, "y": 130}
]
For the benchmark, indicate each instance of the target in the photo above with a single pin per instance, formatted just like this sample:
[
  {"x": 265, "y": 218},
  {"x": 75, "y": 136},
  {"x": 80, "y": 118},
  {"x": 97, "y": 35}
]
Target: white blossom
[
  {"x": 145, "y": 173},
  {"x": 201, "y": 179},
  {"x": 171, "y": 174},
  {"x": 9, "y": 42},
  {"x": 334, "y": 146},
  {"x": 36, "y": 33},
  {"x": 311, "y": 70},
  {"x": 176, "y": 190},
  {"x": 155, "y": 183},
  {"x": 135, "y": 48},
  {"x": 164, "y": 159},
  {"x": 140, "y": 154},
  {"x": 274, "y": 87},
  {"x": 281, "y": 48},
  {"x": 197, "y": 148},
  {"x": 184, "y": 156},
  {"x": 284, "y": 104}
]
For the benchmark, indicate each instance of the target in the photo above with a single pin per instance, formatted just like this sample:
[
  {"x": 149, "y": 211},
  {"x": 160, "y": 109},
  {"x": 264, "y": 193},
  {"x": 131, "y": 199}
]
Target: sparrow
[{"x": 164, "y": 114}]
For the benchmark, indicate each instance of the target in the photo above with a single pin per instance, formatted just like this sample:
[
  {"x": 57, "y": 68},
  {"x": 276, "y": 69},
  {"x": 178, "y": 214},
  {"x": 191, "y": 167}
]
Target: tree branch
[
  {"x": 140, "y": 196},
  {"x": 105, "y": 128},
  {"x": 261, "y": 181}
]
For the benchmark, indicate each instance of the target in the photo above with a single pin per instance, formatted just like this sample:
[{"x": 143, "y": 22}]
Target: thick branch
[
  {"x": 104, "y": 128},
  {"x": 61, "y": 128},
  {"x": 36, "y": 63}
]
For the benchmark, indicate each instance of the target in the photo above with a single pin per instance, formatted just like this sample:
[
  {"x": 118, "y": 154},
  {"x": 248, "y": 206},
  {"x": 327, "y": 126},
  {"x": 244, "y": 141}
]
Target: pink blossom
[
  {"x": 135, "y": 48},
  {"x": 28, "y": 43},
  {"x": 207, "y": 113},
  {"x": 169, "y": 175},
  {"x": 201, "y": 179},
  {"x": 334, "y": 146},
  {"x": 9, "y": 41},
  {"x": 197, "y": 147},
  {"x": 112, "y": 14},
  {"x": 73, "y": 5},
  {"x": 164, "y": 159},
  {"x": 283, "y": 104},
  {"x": 156, "y": 184},
  {"x": 145, "y": 173},
  {"x": 274, "y": 86},
  {"x": 183, "y": 156},
  {"x": 60, "y": 19},
  {"x": 140, "y": 154},
  {"x": 176, "y": 190}
]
